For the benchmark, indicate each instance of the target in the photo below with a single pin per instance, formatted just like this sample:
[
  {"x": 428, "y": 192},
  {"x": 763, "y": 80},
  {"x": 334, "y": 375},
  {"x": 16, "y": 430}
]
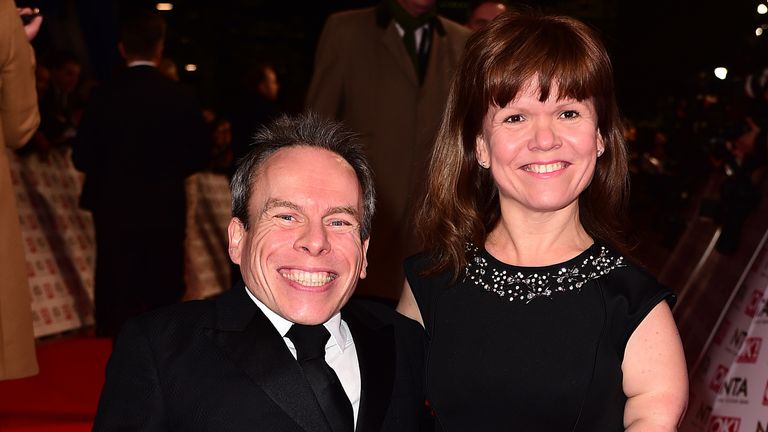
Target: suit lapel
[
  {"x": 435, "y": 64},
  {"x": 394, "y": 43},
  {"x": 255, "y": 346},
  {"x": 375, "y": 346}
]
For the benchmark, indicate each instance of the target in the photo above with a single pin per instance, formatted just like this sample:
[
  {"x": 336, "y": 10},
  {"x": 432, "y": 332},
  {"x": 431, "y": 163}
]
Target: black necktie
[{"x": 310, "y": 352}]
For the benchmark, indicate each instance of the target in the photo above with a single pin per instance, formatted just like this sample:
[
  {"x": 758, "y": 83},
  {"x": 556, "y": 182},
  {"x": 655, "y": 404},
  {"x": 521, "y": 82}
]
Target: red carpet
[{"x": 63, "y": 397}]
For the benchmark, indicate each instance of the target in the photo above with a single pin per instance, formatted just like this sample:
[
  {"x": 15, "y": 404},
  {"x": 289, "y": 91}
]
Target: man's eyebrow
[
  {"x": 273, "y": 203},
  {"x": 350, "y": 210}
]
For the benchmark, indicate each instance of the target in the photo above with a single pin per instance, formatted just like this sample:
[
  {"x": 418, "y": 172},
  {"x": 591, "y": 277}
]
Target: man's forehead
[
  {"x": 301, "y": 157},
  {"x": 297, "y": 173}
]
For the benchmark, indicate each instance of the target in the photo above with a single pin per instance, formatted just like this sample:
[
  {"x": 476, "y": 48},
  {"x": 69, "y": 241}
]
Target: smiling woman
[{"x": 536, "y": 321}]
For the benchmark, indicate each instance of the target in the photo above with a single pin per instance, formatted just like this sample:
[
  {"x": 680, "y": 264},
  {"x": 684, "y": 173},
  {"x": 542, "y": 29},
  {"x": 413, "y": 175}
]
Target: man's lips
[
  {"x": 308, "y": 278},
  {"x": 545, "y": 168}
]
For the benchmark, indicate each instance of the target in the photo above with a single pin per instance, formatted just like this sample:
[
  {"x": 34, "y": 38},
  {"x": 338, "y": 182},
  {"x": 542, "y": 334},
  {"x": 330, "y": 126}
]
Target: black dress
[{"x": 531, "y": 348}]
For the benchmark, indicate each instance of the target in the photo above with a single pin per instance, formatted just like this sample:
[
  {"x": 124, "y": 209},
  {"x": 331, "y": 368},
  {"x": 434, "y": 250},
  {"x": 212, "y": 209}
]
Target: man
[
  {"x": 19, "y": 119},
  {"x": 483, "y": 11},
  {"x": 60, "y": 105},
  {"x": 385, "y": 71},
  {"x": 139, "y": 138},
  {"x": 302, "y": 203},
  {"x": 254, "y": 107}
]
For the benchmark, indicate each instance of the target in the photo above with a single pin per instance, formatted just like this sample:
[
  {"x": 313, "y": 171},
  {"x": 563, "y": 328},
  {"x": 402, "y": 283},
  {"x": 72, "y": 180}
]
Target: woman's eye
[
  {"x": 514, "y": 118},
  {"x": 570, "y": 114}
]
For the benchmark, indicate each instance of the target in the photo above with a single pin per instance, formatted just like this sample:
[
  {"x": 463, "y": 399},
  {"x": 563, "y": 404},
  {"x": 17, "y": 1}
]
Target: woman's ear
[
  {"x": 600, "y": 144},
  {"x": 482, "y": 152}
]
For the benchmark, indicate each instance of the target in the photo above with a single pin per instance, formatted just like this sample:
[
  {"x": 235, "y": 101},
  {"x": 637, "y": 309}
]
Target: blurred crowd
[{"x": 701, "y": 154}]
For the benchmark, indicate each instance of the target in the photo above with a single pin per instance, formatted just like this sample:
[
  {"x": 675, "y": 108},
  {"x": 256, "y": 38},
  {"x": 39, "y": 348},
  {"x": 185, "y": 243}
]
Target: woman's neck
[{"x": 528, "y": 238}]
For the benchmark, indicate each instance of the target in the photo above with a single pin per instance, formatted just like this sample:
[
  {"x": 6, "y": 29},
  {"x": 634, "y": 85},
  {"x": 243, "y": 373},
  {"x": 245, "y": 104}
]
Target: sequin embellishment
[{"x": 526, "y": 287}]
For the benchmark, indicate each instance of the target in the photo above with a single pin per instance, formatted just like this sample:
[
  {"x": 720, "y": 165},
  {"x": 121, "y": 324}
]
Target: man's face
[
  {"x": 417, "y": 7},
  {"x": 484, "y": 13},
  {"x": 269, "y": 87},
  {"x": 65, "y": 77},
  {"x": 302, "y": 255}
]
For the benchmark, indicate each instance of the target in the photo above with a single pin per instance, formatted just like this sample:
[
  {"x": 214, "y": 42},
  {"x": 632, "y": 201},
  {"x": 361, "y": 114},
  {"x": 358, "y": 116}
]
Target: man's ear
[
  {"x": 364, "y": 267},
  {"x": 236, "y": 233}
]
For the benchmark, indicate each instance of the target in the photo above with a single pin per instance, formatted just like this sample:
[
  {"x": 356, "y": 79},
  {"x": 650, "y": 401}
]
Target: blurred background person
[
  {"x": 61, "y": 105},
  {"x": 19, "y": 118},
  {"x": 168, "y": 68},
  {"x": 221, "y": 145},
  {"x": 522, "y": 267},
  {"x": 481, "y": 12},
  {"x": 385, "y": 71},
  {"x": 140, "y": 137},
  {"x": 254, "y": 107}
]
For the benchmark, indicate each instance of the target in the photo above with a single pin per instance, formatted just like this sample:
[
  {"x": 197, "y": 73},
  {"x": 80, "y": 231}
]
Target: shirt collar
[
  {"x": 339, "y": 333},
  {"x": 384, "y": 18},
  {"x": 142, "y": 63}
]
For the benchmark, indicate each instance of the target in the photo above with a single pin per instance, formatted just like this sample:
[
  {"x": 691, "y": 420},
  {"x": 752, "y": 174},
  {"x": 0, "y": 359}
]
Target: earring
[
  {"x": 600, "y": 152},
  {"x": 483, "y": 164}
]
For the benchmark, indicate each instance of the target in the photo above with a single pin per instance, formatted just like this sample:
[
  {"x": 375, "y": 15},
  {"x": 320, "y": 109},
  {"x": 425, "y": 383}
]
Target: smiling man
[{"x": 283, "y": 351}]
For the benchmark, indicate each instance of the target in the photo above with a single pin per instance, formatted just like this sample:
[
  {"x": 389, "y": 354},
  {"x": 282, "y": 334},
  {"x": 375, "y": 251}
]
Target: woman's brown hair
[{"x": 461, "y": 204}]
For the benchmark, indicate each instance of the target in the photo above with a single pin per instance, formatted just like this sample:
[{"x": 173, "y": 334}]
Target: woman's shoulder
[
  {"x": 630, "y": 292},
  {"x": 419, "y": 262},
  {"x": 632, "y": 282}
]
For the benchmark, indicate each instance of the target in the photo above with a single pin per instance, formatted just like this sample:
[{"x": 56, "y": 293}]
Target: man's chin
[{"x": 312, "y": 316}]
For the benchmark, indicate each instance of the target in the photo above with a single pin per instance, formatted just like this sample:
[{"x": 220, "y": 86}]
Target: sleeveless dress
[{"x": 531, "y": 348}]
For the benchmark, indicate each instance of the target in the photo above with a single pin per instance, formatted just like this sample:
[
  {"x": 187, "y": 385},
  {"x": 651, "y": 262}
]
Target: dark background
[{"x": 659, "y": 48}]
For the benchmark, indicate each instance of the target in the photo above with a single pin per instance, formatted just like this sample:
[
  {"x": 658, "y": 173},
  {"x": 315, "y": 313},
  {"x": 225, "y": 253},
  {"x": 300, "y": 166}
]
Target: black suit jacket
[
  {"x": 140, "y": 136},
  {"x": 220, "y": 365}
]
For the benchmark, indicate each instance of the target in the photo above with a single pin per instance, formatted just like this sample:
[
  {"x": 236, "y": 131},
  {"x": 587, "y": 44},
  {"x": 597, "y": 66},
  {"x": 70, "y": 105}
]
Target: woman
[{"x": 535, "y": 322}]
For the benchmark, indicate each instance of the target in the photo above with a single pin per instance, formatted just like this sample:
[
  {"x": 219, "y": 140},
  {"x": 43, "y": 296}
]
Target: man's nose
[{"x": 313, "y": 239}]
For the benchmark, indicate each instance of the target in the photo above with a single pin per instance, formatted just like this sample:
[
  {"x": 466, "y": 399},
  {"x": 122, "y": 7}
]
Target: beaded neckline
[{"x": 527, "y": 283}]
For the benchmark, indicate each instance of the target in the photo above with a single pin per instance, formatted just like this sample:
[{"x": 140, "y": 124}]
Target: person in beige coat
[
  {"x": 365, "y": 76},
  {"x": 19, "y": 119}
]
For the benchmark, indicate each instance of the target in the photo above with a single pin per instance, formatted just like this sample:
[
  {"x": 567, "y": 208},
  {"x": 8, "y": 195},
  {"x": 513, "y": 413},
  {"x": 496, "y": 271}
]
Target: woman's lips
[{"x": 545, "y": 168}]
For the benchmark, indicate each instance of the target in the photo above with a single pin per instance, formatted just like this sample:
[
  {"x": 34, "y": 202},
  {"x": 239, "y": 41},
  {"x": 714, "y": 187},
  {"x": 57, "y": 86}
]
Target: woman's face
[{"x": 541, "y": 154}]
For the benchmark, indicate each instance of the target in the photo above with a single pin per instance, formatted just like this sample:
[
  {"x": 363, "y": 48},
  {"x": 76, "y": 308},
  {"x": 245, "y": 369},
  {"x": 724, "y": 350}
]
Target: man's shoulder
[
  {"x": 372, "y": 310},
  {"x": 171, "y": 321},
  {"x": 454, "y": 29},
  {"x": 380, "y": 313},
  {"x": 353, "y": 19}
]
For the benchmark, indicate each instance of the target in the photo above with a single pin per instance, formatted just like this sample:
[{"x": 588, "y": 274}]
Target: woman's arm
[
  {"x": 655, "y": 375},
  {"x": 407, "y": 304}
]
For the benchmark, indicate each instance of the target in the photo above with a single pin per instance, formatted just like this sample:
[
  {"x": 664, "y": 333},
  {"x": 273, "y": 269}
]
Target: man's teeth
[
  {"x": 309, "y": 278},
  {"x": 546, "y": 168}
]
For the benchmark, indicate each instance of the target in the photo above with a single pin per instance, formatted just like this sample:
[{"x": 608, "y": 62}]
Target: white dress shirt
[
  {"x": 142, "y": 63},
  {"x": 418, "y": 34},
  {"x": 340, "y": 352}
]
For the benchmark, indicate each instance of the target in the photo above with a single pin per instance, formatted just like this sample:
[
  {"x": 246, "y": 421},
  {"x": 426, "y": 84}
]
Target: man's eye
[
  {"x": 285, "y": 217},
  {"x": 570, "y": 114},
  {"x": 340, "y": 223},
  {"x": 514, "y": 118}
]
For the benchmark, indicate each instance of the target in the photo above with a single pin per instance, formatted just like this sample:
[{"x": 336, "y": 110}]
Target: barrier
[
  {"x": 729, "y": 385},
  {"x": 59, "y": 240}
]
